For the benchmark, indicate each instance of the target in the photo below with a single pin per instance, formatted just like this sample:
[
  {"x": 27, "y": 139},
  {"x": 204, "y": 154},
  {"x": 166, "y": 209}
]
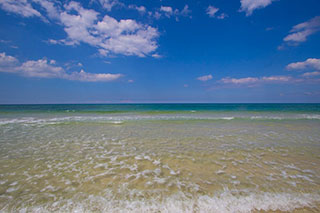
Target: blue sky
[{"x": 116, "y": 51}]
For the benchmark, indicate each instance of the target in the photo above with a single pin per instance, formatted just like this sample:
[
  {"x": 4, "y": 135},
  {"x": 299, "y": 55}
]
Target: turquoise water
[
  {"x": 110, "y": 108},
  {"x": 160, "y": 158}
]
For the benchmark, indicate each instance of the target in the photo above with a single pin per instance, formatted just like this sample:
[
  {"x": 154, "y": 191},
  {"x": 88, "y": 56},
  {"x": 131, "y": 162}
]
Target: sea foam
[{"x": 227, "y": 202}]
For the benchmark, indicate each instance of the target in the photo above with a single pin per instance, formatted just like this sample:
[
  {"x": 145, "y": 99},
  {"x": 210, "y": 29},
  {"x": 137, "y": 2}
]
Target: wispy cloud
[
  {"x": 239, "y": 80},
  {"x": 311, "y": 74},
  {"x": 310, "y": 63},
  {"x": 300, "y": 32},
  {"x": 7, "y": 60},
  {"x": 156, "y": 55},
  {"x": 213, "y": 13},
  {"x": 168, "y": 12},
  {"x": 248, "y": 6},
  {"x": 108, "y": 4},
  {"x": 44, "y": 68},
  {"x": 205, "y": 78},
  {"x": 4, "y": 41},
  {"x": 92, "y": 77},
  {"x": 278, "y": 78},
  {"x": 51, "y": 8},
  {"x": 22, "y": 7},
  {"x": 140, "y": 9},
  {"x": 256, "y": 80}
]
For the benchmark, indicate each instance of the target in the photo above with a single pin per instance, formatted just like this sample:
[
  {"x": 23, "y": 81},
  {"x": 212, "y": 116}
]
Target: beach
[{"x": 160, "y": 158}]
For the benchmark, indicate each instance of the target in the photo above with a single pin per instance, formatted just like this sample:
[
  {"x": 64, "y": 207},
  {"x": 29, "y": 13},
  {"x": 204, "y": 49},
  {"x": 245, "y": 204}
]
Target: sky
[{"x": 159, "y": 51}]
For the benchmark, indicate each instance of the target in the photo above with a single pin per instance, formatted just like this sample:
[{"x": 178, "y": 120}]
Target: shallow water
[{"x": 159, "y": 159}]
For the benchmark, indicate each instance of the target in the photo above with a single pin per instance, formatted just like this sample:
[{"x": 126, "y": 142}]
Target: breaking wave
[
  {"x": 119, "y": 119},
  {"x": 227, "y": 202}
]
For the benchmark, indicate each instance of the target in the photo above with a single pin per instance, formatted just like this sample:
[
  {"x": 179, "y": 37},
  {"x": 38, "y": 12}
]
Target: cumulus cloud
[
  {"x": 254, "y": 80},
  {"x": 77, "y": 25},
  {"x": 126, "y": 37},
  {"x": 248, "y": 6},
  {"x": 300, "y": 32},
  {"x": 44, "y": 68},
  {"x": 310, "y": 63},
  {"x": 108, "y": 35},
  {"x": 212, "y": 12},
  {"x": 40, "y": 68},
  {"x": 205, "y": 78}
]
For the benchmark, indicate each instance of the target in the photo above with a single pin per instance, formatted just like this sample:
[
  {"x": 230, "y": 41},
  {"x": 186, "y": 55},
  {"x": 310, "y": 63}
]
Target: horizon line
[{"x": 129, "y": 103}]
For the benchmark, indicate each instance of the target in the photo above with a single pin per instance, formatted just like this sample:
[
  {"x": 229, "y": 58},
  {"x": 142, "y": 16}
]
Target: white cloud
[
  {"x": 205, "y": 78},
  {"x": 248, "y": 6},
  {"x": 300, "y": 32},
  {"x": 211, "y": 11},
  {"x": 4, "y": 41},
  {"x": 125, "y": 37},
  {"x": 92, "y": 77},
  {"x": 6, "y": 60},
  {"x": 311, "y": 74},
  {"x": 222, "y": 16},
  {"x": 108, "y": 35},
  {"x": 276, "y": 78},
  {"x": 108, "y": 4},
  {"x": 156, "y": 55},
  {"x": 20, "y": 7},
  {"x": 310, "y": 63},
  {"x": 167, "y": 10},
  {"x": 26, "y": 8},
  {"x": 50, "y": 7},
  {"x": 77, "y": 25},
  {"x": 239, "y": 80},
  {"x": 40, "y": 68},
  {"x": 140, "y": 9},
  {"x": 185, "y": 11},
  {"x": 253, "y": 80},
  {"x": 157, "y": 15},
  {"x": 44, "y": 68}
]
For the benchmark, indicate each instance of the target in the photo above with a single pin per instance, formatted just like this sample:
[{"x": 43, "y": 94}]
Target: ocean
[{"x": 160, "y": 158}]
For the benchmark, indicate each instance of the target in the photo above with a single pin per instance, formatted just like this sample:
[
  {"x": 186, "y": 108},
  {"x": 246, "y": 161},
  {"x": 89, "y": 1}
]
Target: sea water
[{"x": 160, "y": 158}]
